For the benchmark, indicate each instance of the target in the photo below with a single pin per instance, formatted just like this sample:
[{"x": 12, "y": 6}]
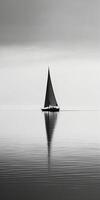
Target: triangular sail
[{"x": 50, "y": 97}]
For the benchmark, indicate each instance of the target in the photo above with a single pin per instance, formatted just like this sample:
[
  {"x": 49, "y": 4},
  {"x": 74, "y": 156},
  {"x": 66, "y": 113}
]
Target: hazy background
[
  {"x": 63, "y": 34},
  {"x": 38, "y": 21}
]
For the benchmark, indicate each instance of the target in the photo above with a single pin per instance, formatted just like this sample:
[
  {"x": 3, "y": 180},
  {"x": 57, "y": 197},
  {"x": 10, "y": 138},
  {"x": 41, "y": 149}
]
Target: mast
[{"x": 50, "y": 96}]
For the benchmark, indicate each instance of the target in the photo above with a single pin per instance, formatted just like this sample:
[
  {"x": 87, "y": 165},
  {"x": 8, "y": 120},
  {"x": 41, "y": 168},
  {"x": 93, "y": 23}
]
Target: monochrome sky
[
  {"x": 64, "y": 34},
  {"x": 43, "y": 21}
]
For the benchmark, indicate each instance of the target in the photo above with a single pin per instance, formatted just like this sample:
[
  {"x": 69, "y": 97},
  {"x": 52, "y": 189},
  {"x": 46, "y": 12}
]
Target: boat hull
[{"x": 51, "y": 109}]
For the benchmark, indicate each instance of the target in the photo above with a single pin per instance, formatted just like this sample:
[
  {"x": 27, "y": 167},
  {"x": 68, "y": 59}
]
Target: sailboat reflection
[{"x": 50, "y": 123}]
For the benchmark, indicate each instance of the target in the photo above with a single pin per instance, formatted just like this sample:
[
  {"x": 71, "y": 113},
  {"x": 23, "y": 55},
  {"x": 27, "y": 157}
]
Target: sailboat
[{"x": 50, "y": 99}]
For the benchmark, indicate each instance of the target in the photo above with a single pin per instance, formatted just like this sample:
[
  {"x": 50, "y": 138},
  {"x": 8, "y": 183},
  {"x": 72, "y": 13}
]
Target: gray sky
[
  {"x": 64, "y": 34},
  {"x": 40, "y": 21},
  {"x": 75, "y": 77}
]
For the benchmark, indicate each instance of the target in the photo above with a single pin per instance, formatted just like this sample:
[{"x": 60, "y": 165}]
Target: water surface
[{"x": 49, "y": 156}]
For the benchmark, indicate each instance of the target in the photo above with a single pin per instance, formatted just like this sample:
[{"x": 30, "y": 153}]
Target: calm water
[{"x": 49, "y": 156}]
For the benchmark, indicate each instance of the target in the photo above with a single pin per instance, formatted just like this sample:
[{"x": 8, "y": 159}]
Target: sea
[{"x": 49, "y": 156}]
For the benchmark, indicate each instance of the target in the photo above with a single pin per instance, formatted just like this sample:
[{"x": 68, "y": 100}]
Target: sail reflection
[{"x": 50, "y": 123}]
